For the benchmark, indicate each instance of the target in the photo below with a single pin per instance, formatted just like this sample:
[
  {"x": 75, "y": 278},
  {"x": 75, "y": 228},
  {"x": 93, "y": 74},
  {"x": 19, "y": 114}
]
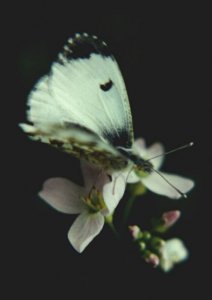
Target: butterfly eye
[{"x": 106, "y": 86}]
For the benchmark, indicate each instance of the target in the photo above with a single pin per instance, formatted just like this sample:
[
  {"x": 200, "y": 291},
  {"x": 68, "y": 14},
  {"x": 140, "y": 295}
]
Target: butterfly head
[
  {"x": 141, "y": 165},
  {"x": 144, "y": 166}
]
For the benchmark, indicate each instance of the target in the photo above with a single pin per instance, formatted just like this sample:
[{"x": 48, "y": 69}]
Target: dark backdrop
[{"x": 164, "y": 60}]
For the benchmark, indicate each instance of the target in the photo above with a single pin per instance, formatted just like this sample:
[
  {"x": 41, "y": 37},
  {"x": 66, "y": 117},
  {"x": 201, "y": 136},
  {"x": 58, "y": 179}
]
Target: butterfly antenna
[
  {"x": 174, "y": 187},
  {"x": 174, "y": 150}
]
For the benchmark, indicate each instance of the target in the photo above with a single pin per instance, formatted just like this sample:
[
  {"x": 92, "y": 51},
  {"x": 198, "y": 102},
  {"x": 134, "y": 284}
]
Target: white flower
[
  {"x": 97, "y": 199},
  {"x": 172, "y": 252},
  {"x": 153, "y": 181}
]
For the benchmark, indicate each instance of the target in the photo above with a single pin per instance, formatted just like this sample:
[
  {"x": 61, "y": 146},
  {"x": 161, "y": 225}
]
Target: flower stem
[
  {"x": 136, "y": 190},
  {"x": 128, "y": 208},
  {"x": 109, "y": 221}
]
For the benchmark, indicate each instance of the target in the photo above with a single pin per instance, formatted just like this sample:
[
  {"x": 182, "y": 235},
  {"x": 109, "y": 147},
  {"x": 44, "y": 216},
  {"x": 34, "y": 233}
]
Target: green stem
[
  {"x": 136, "y": 190},
  {"x": 109, "y": 221},
  {"x": 128, "y": 208}
]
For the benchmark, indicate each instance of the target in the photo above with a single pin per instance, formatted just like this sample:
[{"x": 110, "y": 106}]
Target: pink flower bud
[
  {"x": 152, "y": 259},
  {"x": 135, "y": 231},
  {"x": 170, "y": 217}
]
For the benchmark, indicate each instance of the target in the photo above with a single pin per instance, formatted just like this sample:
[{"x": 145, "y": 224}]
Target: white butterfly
[{"x": 82, "y": 106}]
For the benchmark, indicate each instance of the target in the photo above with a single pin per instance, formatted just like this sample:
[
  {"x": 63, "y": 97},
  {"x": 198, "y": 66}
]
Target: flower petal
[
  {"x": 139, "y": 146},
  {"x": 155, "y": 183},
  {"x": 132, "y": 177},
  {"x": 112, "y": 186},
  {"x": 90, "y": 174},
  {"x": 154, "y": 150},
  {"x": 113, "y": 191},
  {"x": 63, "y": 195},
  {"x": 174, "y": 251},
  {"x": 84, "y": 229}
]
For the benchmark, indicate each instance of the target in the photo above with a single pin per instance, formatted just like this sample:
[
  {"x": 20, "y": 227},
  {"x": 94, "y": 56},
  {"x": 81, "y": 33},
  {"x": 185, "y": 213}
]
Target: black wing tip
[
  {"x": 82, "y": 45},
  {"x": 122, "y": 139}
]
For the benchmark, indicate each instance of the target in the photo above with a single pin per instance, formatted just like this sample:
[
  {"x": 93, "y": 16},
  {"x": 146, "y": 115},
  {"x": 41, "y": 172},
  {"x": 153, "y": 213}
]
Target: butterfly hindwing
[{"x": 81, "y": 143}]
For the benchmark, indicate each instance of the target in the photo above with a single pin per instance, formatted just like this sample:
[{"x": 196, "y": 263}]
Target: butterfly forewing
[
  {"x": 87, "y": 71},
  {"x": 84, "y": 88}
]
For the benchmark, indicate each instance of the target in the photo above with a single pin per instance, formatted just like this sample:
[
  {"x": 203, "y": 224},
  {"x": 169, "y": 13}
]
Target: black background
[{"x": 164, "y": 60}]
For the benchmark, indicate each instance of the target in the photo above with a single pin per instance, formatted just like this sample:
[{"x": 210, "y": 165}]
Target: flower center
[{"x": 95, "y": 200}]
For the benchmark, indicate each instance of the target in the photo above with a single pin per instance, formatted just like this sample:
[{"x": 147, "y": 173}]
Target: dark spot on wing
[
  {"x": 106, "y": 86},
  {"x": 123, "y": 139},
  {"x": 82, "y": 46}
]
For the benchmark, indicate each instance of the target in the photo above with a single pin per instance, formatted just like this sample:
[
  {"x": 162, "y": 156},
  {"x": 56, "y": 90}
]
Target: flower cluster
[
  {"x": 157, "y": 251},
  {"x": 96, "y": 201}
]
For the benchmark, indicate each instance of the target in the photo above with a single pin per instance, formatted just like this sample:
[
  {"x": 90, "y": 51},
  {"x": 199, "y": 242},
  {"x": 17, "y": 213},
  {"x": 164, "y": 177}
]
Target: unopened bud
[
  {"x": 170, "y": 217},
  {"x": 167, "y": 220},
  {"x": 142, "y": 246},
  {"x": 137, "y": 189},
  {"x": 157, "y": 243},
  {"x": 135, "y": 232},
  {"x": 152, "y": 258},
  {"x": 146, "y": 235}
]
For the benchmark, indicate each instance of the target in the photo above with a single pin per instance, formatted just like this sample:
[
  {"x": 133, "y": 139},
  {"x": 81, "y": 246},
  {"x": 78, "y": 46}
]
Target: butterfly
[{"x": 82, "y": 107}]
